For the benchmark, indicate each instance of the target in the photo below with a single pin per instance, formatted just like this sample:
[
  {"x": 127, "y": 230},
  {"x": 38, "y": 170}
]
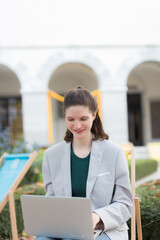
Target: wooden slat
[
  {"x": 2, "y": 159},
  {"x": 133, "y": 219},
  {"x": 138, "y": 218},
  {"x": 13, "y": 216}
]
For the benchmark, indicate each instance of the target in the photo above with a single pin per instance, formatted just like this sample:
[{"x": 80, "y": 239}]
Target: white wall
[
  {"x": 80, "y": 22},
  {"x": 112, "y": 66}
]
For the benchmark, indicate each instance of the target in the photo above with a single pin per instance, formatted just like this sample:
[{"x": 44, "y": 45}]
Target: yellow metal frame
[
  {"x": 51, "y": 94},
  {"x": 136, "y": 216}
]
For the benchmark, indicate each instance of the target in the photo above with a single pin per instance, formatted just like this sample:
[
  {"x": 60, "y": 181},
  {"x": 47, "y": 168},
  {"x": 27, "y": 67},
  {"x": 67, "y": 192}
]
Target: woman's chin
[{"x": 79, "y": 135}]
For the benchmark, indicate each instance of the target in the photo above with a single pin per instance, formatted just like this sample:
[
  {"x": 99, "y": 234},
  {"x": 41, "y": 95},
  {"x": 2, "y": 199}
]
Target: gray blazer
[{"x": 108, "y": 184}]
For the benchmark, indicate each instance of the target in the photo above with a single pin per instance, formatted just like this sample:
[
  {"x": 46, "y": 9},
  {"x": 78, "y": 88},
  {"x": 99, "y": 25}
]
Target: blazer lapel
[
  {"x": 66, "y": 170},
  {"x": 95, "y": 162}
]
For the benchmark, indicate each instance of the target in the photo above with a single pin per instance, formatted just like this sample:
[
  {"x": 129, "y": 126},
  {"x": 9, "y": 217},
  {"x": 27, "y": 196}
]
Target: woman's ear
[{"x": 94, "y": 115}]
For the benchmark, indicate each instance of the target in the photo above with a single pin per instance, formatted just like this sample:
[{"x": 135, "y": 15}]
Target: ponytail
[{"x": 97, "y": 129}]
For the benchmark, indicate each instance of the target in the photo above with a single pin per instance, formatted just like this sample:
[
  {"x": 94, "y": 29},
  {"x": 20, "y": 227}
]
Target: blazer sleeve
[
  {"x": 47, "y": 176},
  {"x": 120, "y": 209}
]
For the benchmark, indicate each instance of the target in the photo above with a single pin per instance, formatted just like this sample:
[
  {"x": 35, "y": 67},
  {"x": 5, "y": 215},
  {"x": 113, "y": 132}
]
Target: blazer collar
[
  {"x": 67, "y": 170},
  {"x": 95, "y": 162}
]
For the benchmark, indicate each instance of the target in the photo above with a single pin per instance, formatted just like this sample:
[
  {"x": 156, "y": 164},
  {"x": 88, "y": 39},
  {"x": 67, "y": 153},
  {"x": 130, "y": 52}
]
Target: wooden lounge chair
[{"x": 13, "y": 167}]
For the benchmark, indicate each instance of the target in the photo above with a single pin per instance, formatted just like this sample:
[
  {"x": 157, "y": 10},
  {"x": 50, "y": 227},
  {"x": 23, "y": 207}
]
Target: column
[
  {"x": 35, "y": 117},
  {"x": 115, "y": 114}
]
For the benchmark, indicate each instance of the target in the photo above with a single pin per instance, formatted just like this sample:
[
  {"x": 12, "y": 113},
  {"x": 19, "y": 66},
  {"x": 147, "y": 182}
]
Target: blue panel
[
  {"x": 10, "y": 171},
  {"x": 20, "y": 155}
]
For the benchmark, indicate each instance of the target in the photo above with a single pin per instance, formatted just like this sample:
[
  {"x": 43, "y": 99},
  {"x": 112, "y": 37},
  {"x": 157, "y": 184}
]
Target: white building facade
[{"x": 126, "y": 71}]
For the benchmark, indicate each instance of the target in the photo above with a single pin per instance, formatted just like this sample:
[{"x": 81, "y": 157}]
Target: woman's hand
[{"x": 95, "y": 219}]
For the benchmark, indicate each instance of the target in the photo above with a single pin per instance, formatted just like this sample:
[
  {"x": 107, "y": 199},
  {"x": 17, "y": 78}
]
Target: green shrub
[
  {"x": 144, "y": 167},
  {"x": 34, "y": 174},
  {"x": 5, "y": 225},
  {"x": 5, "y": 142},
  {"x": 19, "y": 146},
  {"x": 149, "y": 194}
]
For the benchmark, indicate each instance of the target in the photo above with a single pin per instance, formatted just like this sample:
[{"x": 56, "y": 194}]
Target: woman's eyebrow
[
  {"x": 69, "y": 117},
  {"x": 85, "y": 116}
]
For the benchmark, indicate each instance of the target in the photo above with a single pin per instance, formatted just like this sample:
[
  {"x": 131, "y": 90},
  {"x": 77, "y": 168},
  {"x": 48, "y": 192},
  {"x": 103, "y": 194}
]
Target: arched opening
[
  {"x": 10, "y": 103},
  {"x": 68, "y": 75},
  {"x": 143, "y": 101}
]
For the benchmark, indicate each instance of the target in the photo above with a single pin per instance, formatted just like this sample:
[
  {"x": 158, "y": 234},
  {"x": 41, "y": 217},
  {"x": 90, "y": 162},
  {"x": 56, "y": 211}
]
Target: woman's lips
[{"x": 78, "y": 131}]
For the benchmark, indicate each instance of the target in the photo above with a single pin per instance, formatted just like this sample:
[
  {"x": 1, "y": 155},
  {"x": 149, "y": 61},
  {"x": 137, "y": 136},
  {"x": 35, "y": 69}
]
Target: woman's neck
[{"x": 82, "y": 147}]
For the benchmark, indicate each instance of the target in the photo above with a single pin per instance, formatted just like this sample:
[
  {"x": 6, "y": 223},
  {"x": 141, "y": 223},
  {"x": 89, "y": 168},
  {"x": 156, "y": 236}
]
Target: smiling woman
[
  {"x": 88, "y": 165},
  {"x": 80, "y": 104},
  {"x": 81, "y": 112},
  {"x": 79, "y": 120}
]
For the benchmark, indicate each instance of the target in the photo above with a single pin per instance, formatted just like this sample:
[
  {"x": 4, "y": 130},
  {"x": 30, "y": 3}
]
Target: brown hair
[{"x": 81, "y": 96}]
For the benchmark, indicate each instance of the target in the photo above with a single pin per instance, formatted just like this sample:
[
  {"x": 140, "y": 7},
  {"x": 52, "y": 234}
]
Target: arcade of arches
[{"x": 143, "y": 99}]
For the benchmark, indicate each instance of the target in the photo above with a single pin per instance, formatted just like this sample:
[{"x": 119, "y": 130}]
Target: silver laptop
[{"x": 57, "y": 217}]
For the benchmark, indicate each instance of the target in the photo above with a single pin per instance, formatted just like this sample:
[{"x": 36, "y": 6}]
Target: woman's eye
[
  {"x": 84, "y": 119},
  {"x": 70, "y": 120}
]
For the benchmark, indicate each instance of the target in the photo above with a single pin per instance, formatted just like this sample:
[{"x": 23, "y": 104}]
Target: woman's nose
[{"x": 77, "y": 125}]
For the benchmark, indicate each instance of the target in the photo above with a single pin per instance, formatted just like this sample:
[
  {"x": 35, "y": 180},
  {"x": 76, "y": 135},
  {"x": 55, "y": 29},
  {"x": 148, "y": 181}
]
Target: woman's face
[{"x": 79, "y": 120}]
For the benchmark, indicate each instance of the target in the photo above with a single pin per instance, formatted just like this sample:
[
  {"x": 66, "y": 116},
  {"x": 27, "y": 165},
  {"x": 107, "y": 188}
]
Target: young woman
[{"x": 87, "y": 164}]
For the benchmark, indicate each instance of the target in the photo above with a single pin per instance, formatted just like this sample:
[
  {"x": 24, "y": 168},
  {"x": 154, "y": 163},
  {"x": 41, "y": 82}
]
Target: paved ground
[{"x": 153, "y": 176}]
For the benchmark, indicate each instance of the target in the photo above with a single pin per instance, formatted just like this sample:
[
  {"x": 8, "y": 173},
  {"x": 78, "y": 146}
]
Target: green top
[{"x": 79, "y": 174}]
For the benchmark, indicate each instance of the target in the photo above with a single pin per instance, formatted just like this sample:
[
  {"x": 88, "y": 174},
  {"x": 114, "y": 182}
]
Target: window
[
  {"x": 11, "y": 115},
  {"x": 155, "y": 119}
]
